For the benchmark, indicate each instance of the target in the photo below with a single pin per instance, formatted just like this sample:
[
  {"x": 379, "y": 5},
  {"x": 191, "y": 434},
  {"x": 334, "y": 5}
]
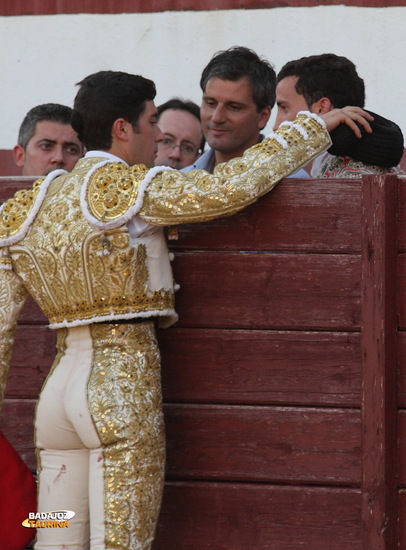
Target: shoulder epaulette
[
  {"x": 16, "y": 211},
  {"x": 114, "y": 192}
]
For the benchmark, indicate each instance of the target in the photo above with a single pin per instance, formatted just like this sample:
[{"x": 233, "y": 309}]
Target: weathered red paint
[{"x": 48, "y": 7}]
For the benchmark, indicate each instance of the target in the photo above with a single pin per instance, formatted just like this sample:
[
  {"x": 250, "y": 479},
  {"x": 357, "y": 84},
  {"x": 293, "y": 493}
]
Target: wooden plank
[
  {"x": 300, "y": 445},
  {"x": 402, "y": 519},
  {"x": 402, "y": 211},
  {"x": 263, "y": 444},
  {"x": 17, "y": 424},
  {"x": 261, "y": 367},
  {"x": 402, "y": 477},
  {"x": 278, "y": 291},
  {"x": 11, "y": 184},
  {"x": 402, "y": 448},
  {"x": 401, "y": 291},
  {"x": 379, "y": 364},
  {"x": 225, "y": 516},
  {"x": 33, "y": 354},
  {"x": 336, "y": 205},
  {"x": 225, "y": 366},
  {"x": 32, "y": 314},
  {"x": 402, "y": 369}
]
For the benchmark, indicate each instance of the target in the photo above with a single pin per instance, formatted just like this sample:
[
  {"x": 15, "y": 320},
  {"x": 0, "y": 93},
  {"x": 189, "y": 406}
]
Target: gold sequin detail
[
  {"x": 17, "y": 210},
  {"x": 12, "y": 299},
  {"x": 112, "y": 190},
  {"x": 124, "y": 396},
  {"x": 173, "y": 198},
  {"x": 63, "y": 265}
]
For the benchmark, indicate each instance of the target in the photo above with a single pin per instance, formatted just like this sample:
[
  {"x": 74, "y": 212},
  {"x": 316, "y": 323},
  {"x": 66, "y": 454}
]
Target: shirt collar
[{"x": 105, "y": 155}]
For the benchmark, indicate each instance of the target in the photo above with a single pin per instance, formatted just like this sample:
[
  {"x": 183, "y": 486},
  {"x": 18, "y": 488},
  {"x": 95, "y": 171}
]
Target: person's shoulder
[
  {"x": 384, "y": 147},
  {"x": 347, "y": 167},
  {"x": 113, "y": 192},
  {"x": 17, "y": 213}
]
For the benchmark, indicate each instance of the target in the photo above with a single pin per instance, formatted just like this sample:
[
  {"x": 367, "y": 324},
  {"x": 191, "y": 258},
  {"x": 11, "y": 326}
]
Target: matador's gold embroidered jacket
[{"x": 89, "y": 245}]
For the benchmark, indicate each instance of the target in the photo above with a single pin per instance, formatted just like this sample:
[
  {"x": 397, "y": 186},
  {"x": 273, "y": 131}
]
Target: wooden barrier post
[{"x": 379, "y": 362}]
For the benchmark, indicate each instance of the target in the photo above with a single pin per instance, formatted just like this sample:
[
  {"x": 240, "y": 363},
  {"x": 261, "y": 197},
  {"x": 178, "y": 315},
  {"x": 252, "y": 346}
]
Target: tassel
[
  {"x": 105, "y": 246},
  {"x": 173, "y": 234}
]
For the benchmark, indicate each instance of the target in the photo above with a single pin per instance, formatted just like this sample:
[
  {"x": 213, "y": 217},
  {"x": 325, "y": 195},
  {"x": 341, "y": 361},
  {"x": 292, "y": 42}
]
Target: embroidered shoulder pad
[
  {"x": 17, "y": 211},
  {"x": 112, "y": 190}
]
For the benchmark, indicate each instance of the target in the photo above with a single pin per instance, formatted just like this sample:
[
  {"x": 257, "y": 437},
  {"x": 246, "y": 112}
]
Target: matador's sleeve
[
  {"x": 12, "y": 298},
  {"x": 173, "y": 197},
  {"x": 113, "y": 193}
]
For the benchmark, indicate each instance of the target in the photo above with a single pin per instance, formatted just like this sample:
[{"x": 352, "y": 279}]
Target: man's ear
[
  {"x": 322, "y": 106},
  {"x": 19, "y": 155},
  {"x": 120, "y": 129},
  {"x": 264, "y": 117}
]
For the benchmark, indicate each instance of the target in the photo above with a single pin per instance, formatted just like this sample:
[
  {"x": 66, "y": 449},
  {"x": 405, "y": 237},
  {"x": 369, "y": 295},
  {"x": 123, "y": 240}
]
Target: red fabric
[{"x": 18, "y": 497}]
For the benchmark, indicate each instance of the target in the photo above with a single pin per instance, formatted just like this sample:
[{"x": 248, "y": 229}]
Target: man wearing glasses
[{"x": 183, "y": 141}]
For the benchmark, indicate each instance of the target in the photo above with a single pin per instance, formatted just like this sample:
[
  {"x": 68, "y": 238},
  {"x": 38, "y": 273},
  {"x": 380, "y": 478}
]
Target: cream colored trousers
[{"x": 100, "y": 438}]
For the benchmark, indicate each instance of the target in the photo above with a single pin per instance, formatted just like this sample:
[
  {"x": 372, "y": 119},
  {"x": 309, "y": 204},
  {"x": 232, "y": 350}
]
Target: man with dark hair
[
  {"x": 183, "y": 140},
  {"x": 47, "y": 141},
  {"x": 238, "y": 95},
  {"x": 89, "y": 247},
  {"x": 320, "y": 83}
]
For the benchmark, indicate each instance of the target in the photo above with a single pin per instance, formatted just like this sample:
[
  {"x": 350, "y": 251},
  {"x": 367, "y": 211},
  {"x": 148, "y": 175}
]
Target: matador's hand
[{"x": 349, "y": 116}]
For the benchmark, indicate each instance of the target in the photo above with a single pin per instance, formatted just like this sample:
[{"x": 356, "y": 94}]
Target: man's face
[
  {"x": 182, "y": 135},
  {"x": 53, "y": 145},
  {"x": 142, "y": 147},
  {"x": 230, "y": 120},
  {"x": 288, "y": 101}
]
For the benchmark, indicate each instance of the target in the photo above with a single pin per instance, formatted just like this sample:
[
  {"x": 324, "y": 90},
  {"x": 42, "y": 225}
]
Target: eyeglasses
[{"x": 186, "y": 149}]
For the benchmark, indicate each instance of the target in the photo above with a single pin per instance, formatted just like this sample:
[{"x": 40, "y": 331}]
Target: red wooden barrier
[{"x": 280, "y": 380}]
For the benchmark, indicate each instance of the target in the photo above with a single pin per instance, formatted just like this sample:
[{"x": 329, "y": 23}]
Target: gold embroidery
[
  {"x": 124, "y": 396},
  {"x": 5, "y": 259},
  {"x": 196, "y": 196},
  {"x": 113, "y": 189},
  {"x": 16, "y": 210},
  {"x": 12, "y": 299},
  {"x": 60, "y": 262}
]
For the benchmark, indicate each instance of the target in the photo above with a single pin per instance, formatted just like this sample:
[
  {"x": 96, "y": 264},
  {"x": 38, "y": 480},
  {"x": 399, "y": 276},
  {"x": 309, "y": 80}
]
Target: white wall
[{"x": 44, "y": 56}]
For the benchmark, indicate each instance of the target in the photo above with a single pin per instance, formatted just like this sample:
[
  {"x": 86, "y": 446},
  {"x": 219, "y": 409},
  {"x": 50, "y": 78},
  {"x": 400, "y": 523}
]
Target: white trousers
[{"x": 100, "y": 439}]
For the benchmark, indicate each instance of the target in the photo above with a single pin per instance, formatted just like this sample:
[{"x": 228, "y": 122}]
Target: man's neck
[{"x": 221, "y": 156}]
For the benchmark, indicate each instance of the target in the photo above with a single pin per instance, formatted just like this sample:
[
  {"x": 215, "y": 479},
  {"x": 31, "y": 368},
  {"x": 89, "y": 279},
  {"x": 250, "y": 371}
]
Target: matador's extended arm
[
  {"x": 198, "y": 196},
  {"x": 114, "y": 193}
]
